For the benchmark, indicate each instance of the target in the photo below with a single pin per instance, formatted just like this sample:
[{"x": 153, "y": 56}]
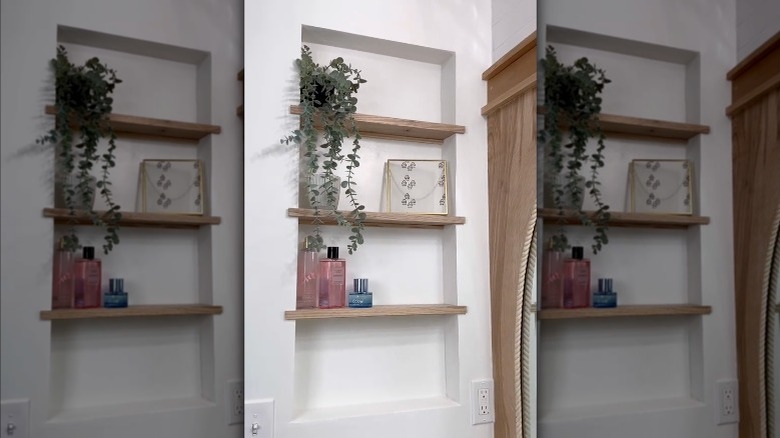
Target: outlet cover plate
[
  {"x": 17, "y": 414},
  {"x": 234, "y": 402},
  {"x": 261, "y": 414},
  {"x": 727, "y": 402},
  {"x": 483, "y": 408}
]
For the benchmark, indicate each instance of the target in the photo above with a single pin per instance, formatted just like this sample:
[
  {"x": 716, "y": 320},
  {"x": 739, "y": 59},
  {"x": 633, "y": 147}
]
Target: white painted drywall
[
  {"x": 127, "y": 378},
  {"x": 418, "y": 376},
  {"x": 653, "y": 377},
  {"x": 757, "y": 21},
  {"x": 513, "y": 20}
]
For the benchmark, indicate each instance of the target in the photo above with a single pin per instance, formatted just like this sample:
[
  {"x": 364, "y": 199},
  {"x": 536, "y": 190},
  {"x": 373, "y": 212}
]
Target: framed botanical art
[
  {"x": 172, "y": 186},
  {"x": 661, "y": 186},
  {"x": 416, "y": 186}
]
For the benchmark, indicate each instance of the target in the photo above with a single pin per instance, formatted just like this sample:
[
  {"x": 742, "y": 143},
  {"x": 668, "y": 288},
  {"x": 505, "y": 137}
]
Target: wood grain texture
[
  {"x": 379, "y": 219},
  {"x": 386, "y": 310},
  {"x": 512, "y": 200},
  {"x": 762, "y": 65},
  {"x": 510, "y": 95},
  {"x": 158, "y": 128},
  {"x": 132, "y": 219},
  {"x": 132, "y": 312},
  {"x": 626, "y": 220},
  {"x": 764, "y": 87},
  {"x": 525, "y": 46},
  {"x": 756, "y": 194},
  {"x": 400, "y": 129},
  {"x": 625, "y": 311},
  {"x": 516, "y": 66},
  {"x": 613, "y": 124}
]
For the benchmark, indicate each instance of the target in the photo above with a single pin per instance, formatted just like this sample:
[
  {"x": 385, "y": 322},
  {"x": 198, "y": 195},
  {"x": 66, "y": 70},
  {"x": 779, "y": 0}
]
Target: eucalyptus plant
[
  {"x": 83, "y": 103},
  {"x": 328, "y": 102},
  {"x": 572, "y": 104}
]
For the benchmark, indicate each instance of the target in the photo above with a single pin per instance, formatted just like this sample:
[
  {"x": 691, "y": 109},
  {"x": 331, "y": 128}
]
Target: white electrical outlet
[
  {"x": 15, "y": 418},
  {"x": 727, "y": 402},
  {"x": 482, "y": 403},
  {"x": 234, "y": 402},
  {"x": 259, "y": 419}
]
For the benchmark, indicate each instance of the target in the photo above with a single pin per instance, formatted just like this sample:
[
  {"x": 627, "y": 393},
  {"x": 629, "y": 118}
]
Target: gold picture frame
[
  {"x": 173, "y": 186},
  {"x": 661, "y": 186},
  {"x": 417, "y": 186}
]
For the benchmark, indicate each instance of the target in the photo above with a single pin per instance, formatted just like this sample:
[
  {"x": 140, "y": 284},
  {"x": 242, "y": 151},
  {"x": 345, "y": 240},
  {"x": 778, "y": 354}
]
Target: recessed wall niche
[
  {"x": 105, "y": 367},
  {"x": 418, "y": 354}
]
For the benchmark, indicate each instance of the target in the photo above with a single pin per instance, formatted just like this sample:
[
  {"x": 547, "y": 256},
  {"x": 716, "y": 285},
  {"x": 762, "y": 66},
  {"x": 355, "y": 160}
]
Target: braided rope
[
  {"x": 522, "y": 332},
  {"x": 767, "y": 345}
]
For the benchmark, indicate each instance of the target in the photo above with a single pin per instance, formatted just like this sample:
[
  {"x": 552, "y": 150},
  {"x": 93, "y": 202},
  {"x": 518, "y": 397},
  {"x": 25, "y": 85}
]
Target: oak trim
[
  {"x": 513, "y": 93},
  {"x": 754, "y": 57},
  {"x": 639, "y": 310},
  {"x": 380, "y": 219},
  {"x": 131, "y": 312},
  {"x": 523, "y": 47},
  {"x": 376, "y": 311},
  {"x": 754, "y": 94},
  {"x": 122, "y": 123},
  {"x": 62, "y": 216},
  {"x": 399, "y": 129},
  {"x": 626, "y": 219}
]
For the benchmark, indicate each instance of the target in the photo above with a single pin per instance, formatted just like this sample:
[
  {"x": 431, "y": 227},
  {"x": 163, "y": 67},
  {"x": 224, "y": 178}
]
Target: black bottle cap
[
  {"x": 88, "y": 252},
  {"x": 333, "y": 252},
  {"x": 577, "y": 252}
]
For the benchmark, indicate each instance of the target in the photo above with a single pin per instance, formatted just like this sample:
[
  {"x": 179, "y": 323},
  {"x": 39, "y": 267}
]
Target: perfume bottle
[
  {"x": 116, "y": 295},
  {"x": 333, "y": 274},
  {"x": 552, "y": 278},
  {"x": 605, "y": 296},
  {"x": 62, "y": 277},
  {"x": 308, "y": 276},
  {"x": 576, "y": 280},
  {"x": 87, "y": 290},
  {"x": 360, "y": 296}
]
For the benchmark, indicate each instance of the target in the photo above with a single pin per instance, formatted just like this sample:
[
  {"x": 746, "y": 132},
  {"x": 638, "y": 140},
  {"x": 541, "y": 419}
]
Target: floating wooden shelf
[
  {"x": 132, "y": 312},
  {"x": 394, "y": 310},
  {"x": 132, "y": 219},
  {"x": 627, "y": 220},
  {"x": 124, "y": 124},
  {"x": 637, "y": 126},
  {"x": 376, "y": 219},
  {"x": 625, "y": 311},
  {"x": 400, "y": 129}
]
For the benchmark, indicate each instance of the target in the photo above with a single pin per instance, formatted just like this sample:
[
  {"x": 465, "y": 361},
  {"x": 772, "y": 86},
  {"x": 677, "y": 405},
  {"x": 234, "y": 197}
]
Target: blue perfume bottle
[
  {"x": 605, "y": 296},
  {"x": 360, "y": 296},
  {"x": 116, "y": 295}
]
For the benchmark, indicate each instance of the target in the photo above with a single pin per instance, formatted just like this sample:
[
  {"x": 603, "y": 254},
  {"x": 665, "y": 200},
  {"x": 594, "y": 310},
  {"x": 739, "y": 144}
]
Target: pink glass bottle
[
  {"x": 88, "y": 282},
  {"x": 552, "y": 278},
  {"x": 333, "y": 275},
  {"x": 308, "y": 276},
  {"x": 576, "y": 280},
  {"x": 62, "y": 277}
]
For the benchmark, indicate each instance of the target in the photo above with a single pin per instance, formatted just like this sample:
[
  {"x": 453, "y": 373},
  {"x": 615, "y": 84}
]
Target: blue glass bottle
[
  {"x": 605, "y": 296},
  {"x": 360, "y": 296}
]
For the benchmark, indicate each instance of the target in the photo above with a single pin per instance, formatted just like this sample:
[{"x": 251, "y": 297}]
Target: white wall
[
  {"x": 513, "y": 20},
  {"x": 653, "y": 377},
  {"x": 757, "y": 21},
  {"x": 428, "y": 397},
  {"x": 151, "y": 377}
]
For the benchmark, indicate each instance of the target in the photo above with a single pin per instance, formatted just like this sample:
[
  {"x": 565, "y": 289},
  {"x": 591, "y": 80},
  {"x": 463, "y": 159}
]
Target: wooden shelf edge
[
  {"x": 379, "y": 219},
  {"x": 652, "y": 128},
  {"x": 122, "y": 123},
  {"x": 400, "y": 129},
  {"x": 626, "y": 219},
  {"x": 625, "y": 311},
  {"x": 376, "y": 311},
  {"x": 131, "y": 312},
  {"x": 134, "y": 219},
  {"x": 754, "y": 56},
  {"x": 523, "y": 47},
  {"x": 509, "y": 95}
]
